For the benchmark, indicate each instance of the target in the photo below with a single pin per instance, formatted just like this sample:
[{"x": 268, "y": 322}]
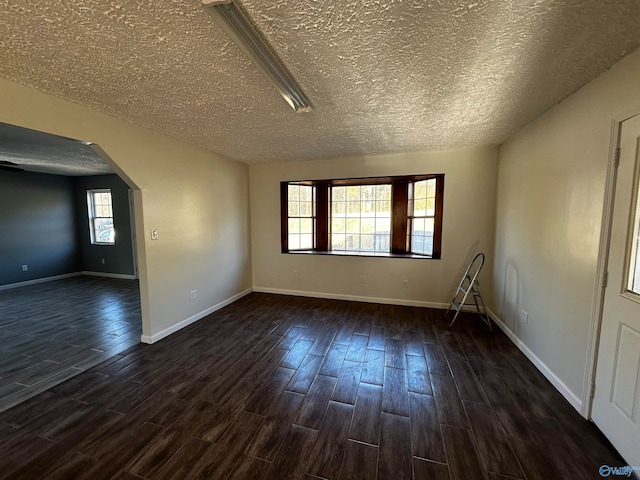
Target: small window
[
  {"x": 301, "y": 208},
  {"x": 379, "y": 216},
  {"x": 101, "y": 217},
  {"x": 422, "y": 216}
]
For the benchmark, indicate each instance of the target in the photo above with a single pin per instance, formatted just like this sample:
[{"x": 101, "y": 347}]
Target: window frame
[
  {"x": 91, "y": 210},
  {"x": 400, "y": 215}
]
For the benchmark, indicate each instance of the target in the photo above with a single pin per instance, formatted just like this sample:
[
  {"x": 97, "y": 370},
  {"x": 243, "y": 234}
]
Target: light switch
[{"x": 154, "y": 234}]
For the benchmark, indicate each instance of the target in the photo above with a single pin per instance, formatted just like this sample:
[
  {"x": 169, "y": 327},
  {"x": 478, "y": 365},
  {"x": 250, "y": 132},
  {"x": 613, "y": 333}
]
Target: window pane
[
  {"x": 365, "y": 216},
  {"x": 353, "y": 225},
  {"x": 338, "y": 193},
  {"x": 383, "y": 192},
  {"x": 306, "y": 241},
  {"x": 294, "y": 209},
  {"x": 431, "y": 188},
  {"x": 294, "y": 241},
  {"x": 431, "y": 207},
  {"x": 338, "y": 241},
  {"x": 417, "y": 226},
  {"x": 339, "y": 208},
  {"x": 420, "y": 190},
  {"x": 353, "y": 194},
  {"x": 368, "y": 208},
  {"x": 429, "y": 226},
  {"x": 294, "y": 225},
  {"x": 417, "y": 244},
  {"x": 368, "y": 225},
  {"x": 305, "y": 209},
  {"x": 353, "y": 208},
  {"x": 366, "y": 243},
  {"x": 294, "y": 193},
  {"x": 383, "y": 226},
  {"x": 306, "y": 193},
  {"x": 338, "y": 225},
  {"x": 103, "y": 230},
  {"x": 383, "y": 208},
  {"x": 306, "y": 225},
  {"x": 634, "y": 261}
]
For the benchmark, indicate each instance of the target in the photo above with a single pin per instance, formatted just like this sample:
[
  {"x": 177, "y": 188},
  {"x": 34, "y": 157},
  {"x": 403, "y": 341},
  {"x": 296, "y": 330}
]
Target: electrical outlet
[
  {"x": 295, "y": 274},
  {"x": 524, "y": 317},
  {"x": 405, "y": 283},
  {"x": 103, "y": 261},
  {"x": 154, "y": 234},
  {"x": 24, "y": 268},
  {"x": 193, "y": 294},
  {"x": 363, "y": 279}
]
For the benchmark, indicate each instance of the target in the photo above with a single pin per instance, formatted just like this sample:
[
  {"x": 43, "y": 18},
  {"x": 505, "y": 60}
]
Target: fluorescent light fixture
[{"x": 243, "y": 33}]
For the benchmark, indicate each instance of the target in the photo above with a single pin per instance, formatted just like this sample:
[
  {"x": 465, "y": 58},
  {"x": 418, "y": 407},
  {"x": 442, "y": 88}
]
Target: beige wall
[
  {"x": 198, "y": 201},
  {"x": 469, "y": 208},
  {"x": 551, "y": 182}
]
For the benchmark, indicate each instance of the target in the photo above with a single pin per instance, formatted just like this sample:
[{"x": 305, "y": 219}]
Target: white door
[{"x": 616, "y": 404}]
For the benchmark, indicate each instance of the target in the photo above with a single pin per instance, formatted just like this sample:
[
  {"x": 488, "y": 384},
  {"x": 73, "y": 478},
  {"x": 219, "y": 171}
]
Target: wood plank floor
[
  {"x": 277, "y": 387},
  {"x": 50, "y": 332}
]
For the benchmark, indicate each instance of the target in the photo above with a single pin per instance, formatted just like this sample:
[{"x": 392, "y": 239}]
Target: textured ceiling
[
  {"x": 383, "y": 76},
  {"x": 41, "y": 152}
]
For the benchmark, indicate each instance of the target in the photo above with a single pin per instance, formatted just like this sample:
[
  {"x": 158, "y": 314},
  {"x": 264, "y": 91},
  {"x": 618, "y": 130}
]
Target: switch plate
[
  {"x": 154, "y": 234},
  {"x": 24, "y": 268},
  {"x": 103, "y": 261},
  {"x": 295, "y": 274},
  {"x": 405, "y": 283},
  {"x": 193, "y": 294},
  {"x": 363, "y": 279}
]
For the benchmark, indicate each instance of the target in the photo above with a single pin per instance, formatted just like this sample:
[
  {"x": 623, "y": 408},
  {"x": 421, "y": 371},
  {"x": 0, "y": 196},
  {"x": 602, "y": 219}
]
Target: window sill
[{"x": 360, "y": 254}]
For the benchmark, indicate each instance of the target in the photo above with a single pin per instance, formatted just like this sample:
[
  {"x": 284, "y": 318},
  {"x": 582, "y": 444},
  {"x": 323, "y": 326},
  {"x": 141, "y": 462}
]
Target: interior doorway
[{"x": 69, "y": 289}]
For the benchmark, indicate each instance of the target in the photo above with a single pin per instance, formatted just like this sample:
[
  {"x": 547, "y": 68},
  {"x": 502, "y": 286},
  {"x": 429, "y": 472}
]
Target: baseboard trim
[
  {"x": 571, "y": 397},
  {"x": 352, "y": 298},
  {"x": 39, "y": 280},
  {"x": 194, "y": 318},
  {"x": 109, "y": 275}
]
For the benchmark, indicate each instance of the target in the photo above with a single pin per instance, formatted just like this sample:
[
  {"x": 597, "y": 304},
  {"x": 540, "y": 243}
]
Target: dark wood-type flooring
[
  {"x": 50, "y": 332},
  {"x": 277, "y": 387}
]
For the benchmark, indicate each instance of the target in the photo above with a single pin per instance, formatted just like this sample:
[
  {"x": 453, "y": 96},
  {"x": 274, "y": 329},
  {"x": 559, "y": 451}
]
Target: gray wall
[
  {"x": 37, "y": 226},
  {"x": 118, "y": 258}
]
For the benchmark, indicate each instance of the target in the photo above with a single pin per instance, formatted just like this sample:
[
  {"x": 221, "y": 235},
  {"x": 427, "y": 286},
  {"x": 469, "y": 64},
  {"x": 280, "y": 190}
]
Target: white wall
[
  {"x": 469, "y": 209},
  {"x": 551, "y": 182},
  {"x": 198, "y": 201}
]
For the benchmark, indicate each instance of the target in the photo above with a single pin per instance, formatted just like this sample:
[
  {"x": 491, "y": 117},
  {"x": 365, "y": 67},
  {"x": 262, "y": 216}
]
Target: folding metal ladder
[{"x": 469, "y": 285}]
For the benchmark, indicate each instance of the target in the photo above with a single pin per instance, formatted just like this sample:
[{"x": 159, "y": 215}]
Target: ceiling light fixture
[{"x": 244, "y": 34}]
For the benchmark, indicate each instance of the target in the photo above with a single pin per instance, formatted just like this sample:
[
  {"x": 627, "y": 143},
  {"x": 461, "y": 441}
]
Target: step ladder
[{"x": 470, "y": 286}]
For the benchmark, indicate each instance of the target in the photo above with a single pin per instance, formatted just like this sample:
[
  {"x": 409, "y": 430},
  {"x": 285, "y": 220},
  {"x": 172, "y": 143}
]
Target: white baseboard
[
  {"x": 39, "y": 280},
  {"x": 109, "y": 275},
  {"x": 352, "y": 298},
  {"x": 194, "y": 318},
  {"x": 571, "y": 397}
]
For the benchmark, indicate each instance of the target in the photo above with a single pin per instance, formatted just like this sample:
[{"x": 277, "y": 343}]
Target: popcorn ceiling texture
[
  {"x": 383, "y": 76},
  {"x": 41, "y": 152}
]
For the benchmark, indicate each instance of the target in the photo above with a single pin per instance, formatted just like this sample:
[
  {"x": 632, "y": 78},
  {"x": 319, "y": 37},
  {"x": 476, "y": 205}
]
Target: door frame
[{"x": 597, "y": 309}]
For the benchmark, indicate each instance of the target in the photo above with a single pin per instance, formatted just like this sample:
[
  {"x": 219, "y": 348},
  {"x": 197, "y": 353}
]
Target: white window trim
[{"x": 92, "y": 216}]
